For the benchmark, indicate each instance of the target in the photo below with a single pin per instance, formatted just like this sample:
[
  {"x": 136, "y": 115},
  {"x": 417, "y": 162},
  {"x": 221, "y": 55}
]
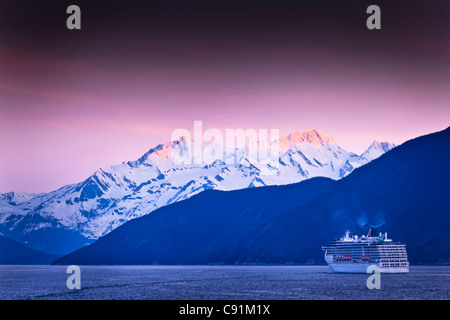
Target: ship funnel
[{"x": 373, "y": 230}]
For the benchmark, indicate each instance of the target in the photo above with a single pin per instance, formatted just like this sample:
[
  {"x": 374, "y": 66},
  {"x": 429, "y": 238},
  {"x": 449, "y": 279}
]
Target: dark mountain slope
[
  {"x": 12, "y": 252},
  {"x": 407, "y": 189},
  {"x": 208, "y": 228}
]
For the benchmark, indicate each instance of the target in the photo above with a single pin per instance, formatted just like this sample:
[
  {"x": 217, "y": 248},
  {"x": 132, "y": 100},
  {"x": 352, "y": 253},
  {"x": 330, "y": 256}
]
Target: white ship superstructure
[{"x": 355, "y": 254}]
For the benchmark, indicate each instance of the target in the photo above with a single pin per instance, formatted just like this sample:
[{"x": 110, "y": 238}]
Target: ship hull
[{"x": 362, "y": 268}]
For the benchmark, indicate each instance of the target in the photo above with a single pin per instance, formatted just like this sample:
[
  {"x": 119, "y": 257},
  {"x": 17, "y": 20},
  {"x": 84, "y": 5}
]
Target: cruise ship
[{"x": 355, "y": 254}]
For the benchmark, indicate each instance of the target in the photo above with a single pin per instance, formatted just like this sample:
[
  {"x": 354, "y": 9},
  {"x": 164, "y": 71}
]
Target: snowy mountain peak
[
  {"x": 162, "y": 154},
  {"x": 164, "y": 151},
  {"x": 384, "y": 145},
  {"x": 14, "y": 198},
  {"x": 375, "y": 150},
  {"x": 311, "y": 137}
]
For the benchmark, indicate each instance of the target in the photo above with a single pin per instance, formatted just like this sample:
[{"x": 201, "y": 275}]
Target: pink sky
[
  {"x": 91, "y": 101},
  {"x": 57, "y": 132}
]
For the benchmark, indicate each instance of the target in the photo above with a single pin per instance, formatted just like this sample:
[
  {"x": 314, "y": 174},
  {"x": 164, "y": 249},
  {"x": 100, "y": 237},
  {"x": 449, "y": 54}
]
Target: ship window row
[
  {"x": 393, "y": 265},
  {"x": 394, "y": 260},
  {"x": 359, "y": 250},
  {"x": 355, "y": 253}
]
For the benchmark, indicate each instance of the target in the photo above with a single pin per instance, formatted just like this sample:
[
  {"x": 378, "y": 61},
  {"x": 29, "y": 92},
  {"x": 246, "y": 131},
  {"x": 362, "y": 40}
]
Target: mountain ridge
[
  {"x": 81, "y": 212},
  {"x": 407, "y": 189}
]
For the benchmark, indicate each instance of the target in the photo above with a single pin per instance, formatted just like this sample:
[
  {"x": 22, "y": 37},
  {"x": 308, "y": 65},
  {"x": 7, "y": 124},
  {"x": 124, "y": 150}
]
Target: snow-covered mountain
[
  {"x": 375, "y": 150},
  {"x": 77, "y": 214}
]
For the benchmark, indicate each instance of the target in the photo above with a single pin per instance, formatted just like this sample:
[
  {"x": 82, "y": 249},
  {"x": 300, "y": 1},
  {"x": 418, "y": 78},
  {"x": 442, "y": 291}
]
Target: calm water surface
[{"x": 219, "y": 282}]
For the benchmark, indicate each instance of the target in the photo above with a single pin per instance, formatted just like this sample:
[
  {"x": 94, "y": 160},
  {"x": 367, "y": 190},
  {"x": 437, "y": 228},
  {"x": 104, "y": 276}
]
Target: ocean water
[{"x": 220, "y": 282}]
